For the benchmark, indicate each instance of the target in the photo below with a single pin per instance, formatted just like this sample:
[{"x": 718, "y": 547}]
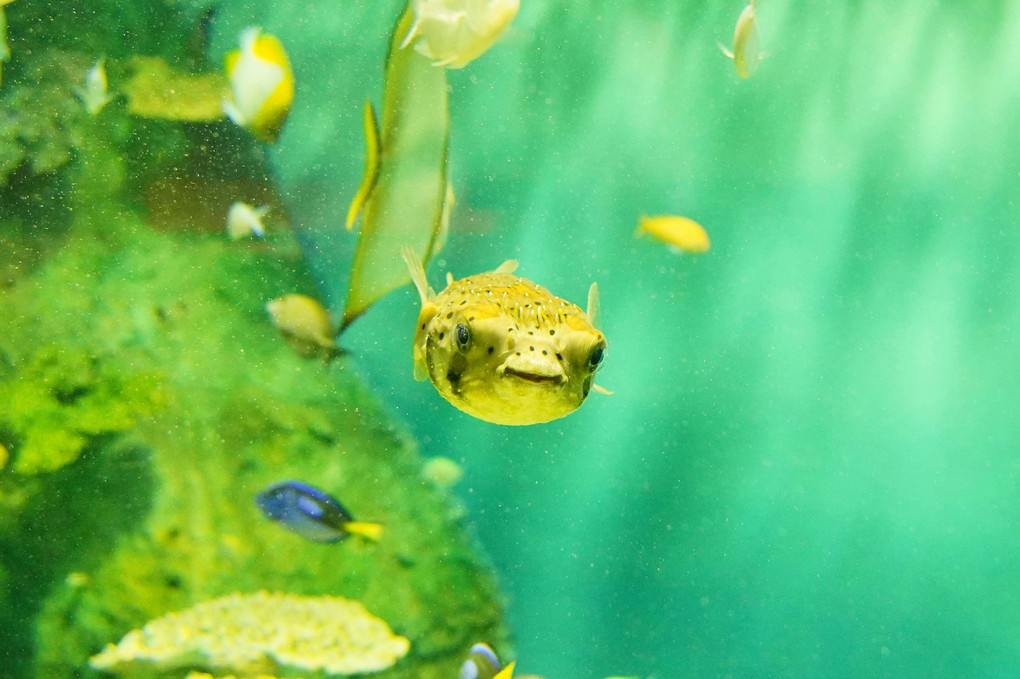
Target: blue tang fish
[
  {"x": 311, "y": 513},
  {"x": 482, "y": 663}
]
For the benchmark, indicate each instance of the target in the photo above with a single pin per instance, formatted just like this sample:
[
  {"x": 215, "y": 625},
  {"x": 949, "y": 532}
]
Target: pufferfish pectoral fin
[
  {"x": 509, "y": 266},
  {"x": 427, "y": 313},
  {"x": 417, "y": 271}
]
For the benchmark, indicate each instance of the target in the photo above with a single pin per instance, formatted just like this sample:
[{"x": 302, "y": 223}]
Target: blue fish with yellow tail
[
  {"x": 311, "y": 513},
  {"x": 482, "y": 663}
]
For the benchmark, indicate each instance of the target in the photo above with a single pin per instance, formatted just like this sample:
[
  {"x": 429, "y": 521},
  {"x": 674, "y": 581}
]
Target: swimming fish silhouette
[
  {"x": 243, "y": 220},
  {"x": 453, "y": 34},
  {"x": 746, "y": 53},
  {"x": 305, "y": 324},
  {"x": 482, "y": 663},
  {"x": 311, "y": 513},
  {"x": 504, "y": 349},
  {"x": 94, "y": 93},
  {"x": 681, "y": 233},
  {"x": 261, "y": 85}
]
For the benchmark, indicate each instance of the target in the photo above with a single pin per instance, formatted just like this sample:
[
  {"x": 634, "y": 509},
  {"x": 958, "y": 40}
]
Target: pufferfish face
[{"x": 513, "y": 360}]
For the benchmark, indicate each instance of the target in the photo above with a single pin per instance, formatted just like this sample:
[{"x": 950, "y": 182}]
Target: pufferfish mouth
[{"x": 534, "y": 377}]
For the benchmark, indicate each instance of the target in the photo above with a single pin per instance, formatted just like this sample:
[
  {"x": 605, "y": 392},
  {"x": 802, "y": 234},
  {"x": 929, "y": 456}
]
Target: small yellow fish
[
  {"x": 745, "y": 54},
  {"x": 261, "y": 84},
  {"x": 453, "y": 33},
  {"x": 677, "y": 232},
  {"x": 504, "y": 349},
  {"x": 93, "y": 93},
  {"x": 305, "y": 324},
  {"x": 243, "y": 220}
]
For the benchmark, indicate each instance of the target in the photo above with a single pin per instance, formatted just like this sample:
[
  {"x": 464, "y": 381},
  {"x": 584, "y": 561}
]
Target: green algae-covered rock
[
  {"x": 224, "y": 408},
  {"x": 62, "y": 399},
  {"x": 145, "y": 396}
]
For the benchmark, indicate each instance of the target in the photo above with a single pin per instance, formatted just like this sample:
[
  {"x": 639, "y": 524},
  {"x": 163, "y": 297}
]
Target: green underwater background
[{"x": 809, "y": 466}]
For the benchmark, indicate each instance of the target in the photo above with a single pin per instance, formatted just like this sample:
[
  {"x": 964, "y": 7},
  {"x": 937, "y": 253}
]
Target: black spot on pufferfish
[{"x": 457, "y": 367}]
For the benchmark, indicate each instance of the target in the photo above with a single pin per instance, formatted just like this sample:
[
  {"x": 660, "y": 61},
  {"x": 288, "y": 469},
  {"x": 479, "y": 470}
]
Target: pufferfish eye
[
  {"x": 596, "y": 356},
  {"x": 463, "y": 337}
]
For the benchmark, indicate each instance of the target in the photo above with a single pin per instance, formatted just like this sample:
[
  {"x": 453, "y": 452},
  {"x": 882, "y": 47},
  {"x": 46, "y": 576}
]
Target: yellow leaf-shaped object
[{"x": 405, "y": 207}]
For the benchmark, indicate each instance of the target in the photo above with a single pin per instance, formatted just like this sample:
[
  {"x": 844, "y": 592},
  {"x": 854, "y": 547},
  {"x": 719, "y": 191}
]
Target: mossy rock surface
[{"x": 204, "y": 404}]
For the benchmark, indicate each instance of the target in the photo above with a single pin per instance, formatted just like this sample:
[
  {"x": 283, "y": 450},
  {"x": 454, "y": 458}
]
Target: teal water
[{"x": 809, "y": 464}]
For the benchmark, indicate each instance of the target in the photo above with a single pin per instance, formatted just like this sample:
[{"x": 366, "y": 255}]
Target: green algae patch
[
  {"x": 153, "y": 353},
  {"x": 63, "y": 399},
  {"x": 145, "y": 398}
]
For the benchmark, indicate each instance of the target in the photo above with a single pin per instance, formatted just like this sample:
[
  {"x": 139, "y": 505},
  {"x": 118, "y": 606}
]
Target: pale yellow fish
[
  {"x": 93, "y": 93},
  {"x": 243, "y": 221},
  {"x": 304, "y": 323},
  {"x": 442, "y": 472},
  {"x": 503, "y": 349},
  {"x": 261, "y": 85},
  {"x": 678, "y": 232},
  {"x": 745, "y": 54},
  {"x": 453, "y": 33}
]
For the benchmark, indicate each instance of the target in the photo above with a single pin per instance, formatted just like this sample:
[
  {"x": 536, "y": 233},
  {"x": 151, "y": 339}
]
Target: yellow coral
[
  {"x": 262, "y": 632},
  {"x": 203, "y": 675}
]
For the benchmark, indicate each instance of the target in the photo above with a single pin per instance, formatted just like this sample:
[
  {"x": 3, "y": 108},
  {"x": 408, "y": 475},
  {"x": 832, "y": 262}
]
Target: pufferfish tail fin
[{"x": 594, "y": 314}]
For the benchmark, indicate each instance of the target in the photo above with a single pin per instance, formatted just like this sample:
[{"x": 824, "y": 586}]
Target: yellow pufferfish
[{"x": 504, "y": 349}]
